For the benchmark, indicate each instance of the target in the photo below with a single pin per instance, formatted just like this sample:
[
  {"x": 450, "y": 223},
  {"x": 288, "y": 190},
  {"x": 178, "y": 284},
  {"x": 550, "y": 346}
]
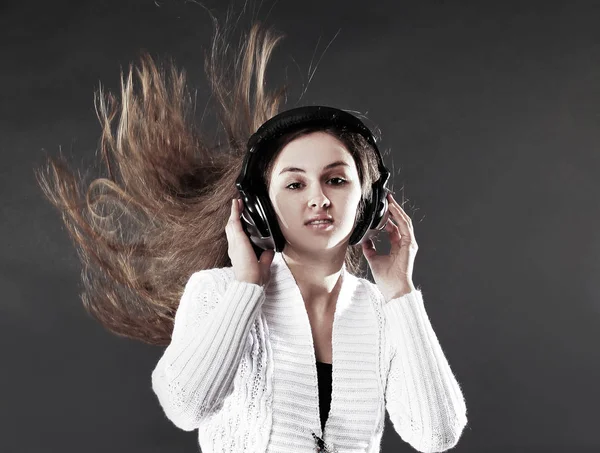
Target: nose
[{"x": 319, "y": 200}]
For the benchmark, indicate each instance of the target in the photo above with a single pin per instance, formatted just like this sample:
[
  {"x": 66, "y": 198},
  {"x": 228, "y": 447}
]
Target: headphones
[{"x": 258, "y": 219}]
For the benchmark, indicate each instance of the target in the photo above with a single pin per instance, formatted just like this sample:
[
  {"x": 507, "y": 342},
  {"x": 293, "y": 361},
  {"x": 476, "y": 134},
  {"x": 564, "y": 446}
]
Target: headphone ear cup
[
  {"x": 260, "y": 225},
  {"x": 276, "y": 238},
  {"x": 374, "y": 217},
  {"x": 254, "y": 225},
  {"x": 362, "y": 224}
]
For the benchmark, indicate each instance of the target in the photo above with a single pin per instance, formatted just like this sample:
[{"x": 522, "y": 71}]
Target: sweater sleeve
[
  {"x": 423, "y": 398},
  {"x": 196, "y": 371}
]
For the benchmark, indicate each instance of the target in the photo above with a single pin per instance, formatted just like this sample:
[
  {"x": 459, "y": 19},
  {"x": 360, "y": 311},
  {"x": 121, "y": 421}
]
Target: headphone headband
[{"x": 308, "y": 116}]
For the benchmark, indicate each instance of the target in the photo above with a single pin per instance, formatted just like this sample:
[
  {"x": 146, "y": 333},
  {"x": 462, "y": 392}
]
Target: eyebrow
[{"x": 337, "y": 163}]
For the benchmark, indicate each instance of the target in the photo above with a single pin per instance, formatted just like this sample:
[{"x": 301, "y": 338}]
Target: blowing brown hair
[{"x": 159, "y": 214}]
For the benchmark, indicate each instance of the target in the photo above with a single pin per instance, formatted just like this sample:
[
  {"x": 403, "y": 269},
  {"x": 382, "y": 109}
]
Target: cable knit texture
[{"x": 241, "y": 368}]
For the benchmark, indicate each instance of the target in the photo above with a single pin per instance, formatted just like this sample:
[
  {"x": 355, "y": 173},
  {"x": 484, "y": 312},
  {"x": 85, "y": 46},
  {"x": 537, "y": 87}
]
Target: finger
[
  {"x": 393, "y": 203},
  {"x": 368, "y": 248},
  {"x": 234, "y": 218},
  {"x": 403, "y": 227},
  {"x": 391, "y": 226},
  {"x": 391, "y": 218},
  {"x": 235, "y": 208},
  {"x": 233, "y": 213},
  {"x": 394, "y": 233},
  {"x": 267, "y": 256},
  {"x": 369, "y": 244},
  {"x": 402, "y": 220}
]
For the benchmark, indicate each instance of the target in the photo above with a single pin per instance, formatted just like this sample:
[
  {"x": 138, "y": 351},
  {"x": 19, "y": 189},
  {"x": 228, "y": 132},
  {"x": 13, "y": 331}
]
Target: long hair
[{"x": 159, "y": 213}]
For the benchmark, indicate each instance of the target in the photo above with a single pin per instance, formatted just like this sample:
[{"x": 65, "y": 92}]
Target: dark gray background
[{"x": 491, "y": 111}]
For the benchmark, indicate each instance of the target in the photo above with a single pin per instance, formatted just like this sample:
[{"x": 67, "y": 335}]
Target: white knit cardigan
[{"x": 241, "y": 368}]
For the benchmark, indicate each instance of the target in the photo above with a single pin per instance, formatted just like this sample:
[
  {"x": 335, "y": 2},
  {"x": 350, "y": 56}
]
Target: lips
[
  {"x": 330, "y": 219},
  {"x": 319, "y": 221}
]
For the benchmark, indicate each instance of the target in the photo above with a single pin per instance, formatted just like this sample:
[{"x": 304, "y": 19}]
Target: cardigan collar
[
  {"x": 355, "y": 345},
  {"x": 283, "y": 283},
  {"x": 280, "y": 266}
]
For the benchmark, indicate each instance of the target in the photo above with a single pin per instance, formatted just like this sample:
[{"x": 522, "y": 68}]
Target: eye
[{"x": 343, "y": 181}]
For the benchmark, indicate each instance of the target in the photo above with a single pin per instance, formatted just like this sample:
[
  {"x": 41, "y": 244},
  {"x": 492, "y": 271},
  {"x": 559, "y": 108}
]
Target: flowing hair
[{"x": 159, "y": 213}]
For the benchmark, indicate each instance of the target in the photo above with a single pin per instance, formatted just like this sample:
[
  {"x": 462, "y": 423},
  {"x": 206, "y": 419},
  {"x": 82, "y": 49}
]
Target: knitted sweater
[{"x": 241, "y": 368}]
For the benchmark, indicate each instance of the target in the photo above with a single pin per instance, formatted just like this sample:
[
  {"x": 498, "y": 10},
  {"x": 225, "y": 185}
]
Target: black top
[{"x": 324, "y": 372}]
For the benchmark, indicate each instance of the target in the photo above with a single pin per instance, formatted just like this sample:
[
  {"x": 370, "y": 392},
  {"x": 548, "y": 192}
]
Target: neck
[{"x": 319, "y": 279}]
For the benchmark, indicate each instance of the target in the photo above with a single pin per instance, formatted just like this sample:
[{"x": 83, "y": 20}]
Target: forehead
[{"x": 312, "y": 152}]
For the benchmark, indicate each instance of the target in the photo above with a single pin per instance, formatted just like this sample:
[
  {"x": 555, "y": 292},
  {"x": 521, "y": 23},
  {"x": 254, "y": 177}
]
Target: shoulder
[
  {"x": 219, "y": 278},
  {"x": 370, "y": 290}
]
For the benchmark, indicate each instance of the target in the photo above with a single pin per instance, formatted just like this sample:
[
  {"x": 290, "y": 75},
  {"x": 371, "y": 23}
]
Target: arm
[
  {"x": 196, "y": 371},
  {"x": 423, "y": 398}
]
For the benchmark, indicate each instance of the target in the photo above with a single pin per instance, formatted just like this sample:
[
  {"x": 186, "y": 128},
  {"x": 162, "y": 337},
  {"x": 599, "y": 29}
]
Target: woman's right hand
[{"x": 246, "y": 267}]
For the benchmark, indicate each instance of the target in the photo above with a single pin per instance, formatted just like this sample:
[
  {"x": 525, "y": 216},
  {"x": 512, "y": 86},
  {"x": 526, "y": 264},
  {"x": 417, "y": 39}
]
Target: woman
[{"x": 291, "y": 352}]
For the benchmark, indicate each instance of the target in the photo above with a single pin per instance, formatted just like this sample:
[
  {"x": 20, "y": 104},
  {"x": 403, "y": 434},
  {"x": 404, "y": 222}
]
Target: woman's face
[{"x": 297, "y": 196}]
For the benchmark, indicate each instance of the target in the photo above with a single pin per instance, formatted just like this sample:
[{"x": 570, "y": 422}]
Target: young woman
[{"x": 291, "y": 352}]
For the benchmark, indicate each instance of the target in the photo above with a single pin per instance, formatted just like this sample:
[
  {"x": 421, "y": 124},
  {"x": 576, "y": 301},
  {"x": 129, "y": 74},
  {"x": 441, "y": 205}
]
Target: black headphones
[{"x": 258, "y": 219}]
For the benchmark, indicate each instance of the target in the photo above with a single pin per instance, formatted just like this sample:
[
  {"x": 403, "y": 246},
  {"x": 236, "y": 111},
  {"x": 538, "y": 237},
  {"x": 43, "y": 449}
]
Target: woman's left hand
[{"x": 393, "y": 273}]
